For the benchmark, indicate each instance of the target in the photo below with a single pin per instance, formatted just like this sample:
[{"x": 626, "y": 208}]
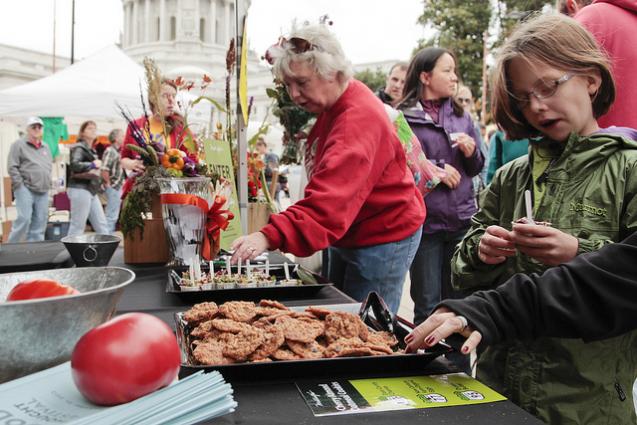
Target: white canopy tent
[{"x": 89, "y": 88}]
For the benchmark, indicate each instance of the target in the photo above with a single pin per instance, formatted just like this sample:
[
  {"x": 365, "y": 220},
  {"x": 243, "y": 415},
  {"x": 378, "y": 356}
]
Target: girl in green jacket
[{"x": 552, "y": 82}]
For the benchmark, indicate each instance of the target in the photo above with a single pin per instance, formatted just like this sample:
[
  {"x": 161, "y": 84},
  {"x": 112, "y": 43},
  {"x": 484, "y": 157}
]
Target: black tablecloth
[
  {"x": 273, "y": 401},
  {"x": 279, "y": 402}
]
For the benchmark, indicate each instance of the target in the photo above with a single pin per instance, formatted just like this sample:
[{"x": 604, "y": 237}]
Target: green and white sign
[
  {"x": 219, "y": 158},
  {"x": 408, "y": 392}
]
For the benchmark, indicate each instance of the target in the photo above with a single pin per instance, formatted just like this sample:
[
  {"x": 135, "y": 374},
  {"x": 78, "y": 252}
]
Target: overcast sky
[{"x": 369, "y": 30}]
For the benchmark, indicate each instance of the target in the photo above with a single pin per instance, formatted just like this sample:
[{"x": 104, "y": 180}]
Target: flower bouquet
[{"x": 193, "y": 199}]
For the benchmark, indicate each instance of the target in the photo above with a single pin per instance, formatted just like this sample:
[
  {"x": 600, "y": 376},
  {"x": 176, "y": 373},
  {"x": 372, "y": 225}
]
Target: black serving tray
[
  {"x": 311, "y": 283},
  {"x": 317, "y": 368}
]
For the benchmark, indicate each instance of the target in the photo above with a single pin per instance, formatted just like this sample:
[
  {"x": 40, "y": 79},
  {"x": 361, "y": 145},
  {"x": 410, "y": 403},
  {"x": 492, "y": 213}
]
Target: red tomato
[
  {"x": 39, "y": 288},
  {"x": 125, "y": 358}
]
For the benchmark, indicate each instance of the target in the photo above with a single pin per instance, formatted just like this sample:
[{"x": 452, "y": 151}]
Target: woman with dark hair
[
  {"x": 84, "y": 183},
  {"x": 447, "y": 135}
]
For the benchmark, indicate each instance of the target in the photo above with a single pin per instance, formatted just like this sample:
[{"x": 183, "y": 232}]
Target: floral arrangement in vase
[{"x": 184, "y": 160}]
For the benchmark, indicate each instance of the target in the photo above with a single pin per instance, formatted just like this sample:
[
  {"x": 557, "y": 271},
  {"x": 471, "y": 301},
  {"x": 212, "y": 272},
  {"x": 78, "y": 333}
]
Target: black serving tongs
[{"x": 382, "y": 319}]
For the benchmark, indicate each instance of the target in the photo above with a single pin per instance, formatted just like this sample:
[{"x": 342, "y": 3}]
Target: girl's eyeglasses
[{"x": 542, "y": 90}]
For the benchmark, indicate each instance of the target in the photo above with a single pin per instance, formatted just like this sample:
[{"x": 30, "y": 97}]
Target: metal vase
[{"x": 185, "y": 224}]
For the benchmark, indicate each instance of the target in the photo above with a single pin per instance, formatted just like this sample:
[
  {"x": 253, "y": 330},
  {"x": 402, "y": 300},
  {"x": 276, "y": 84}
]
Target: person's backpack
[{"x": 426, "y": 174}]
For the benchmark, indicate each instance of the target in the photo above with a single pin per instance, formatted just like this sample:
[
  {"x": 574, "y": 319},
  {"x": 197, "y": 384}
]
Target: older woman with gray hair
[{"x": 361, "y": 199}]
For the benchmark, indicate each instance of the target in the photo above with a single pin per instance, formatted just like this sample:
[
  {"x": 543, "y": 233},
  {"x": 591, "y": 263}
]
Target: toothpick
[
  {"x": 267, "y": 266},
  {"x": 211, "y": 268},
  {"x": 191, "y": 272},
  {"x": 248, "y": 269},
  {"x": 239, "y": 266},
  {"x": 287, "y": 271},
  {"x": 529, "y": 206},
  {"x": 228, "y": 269}
]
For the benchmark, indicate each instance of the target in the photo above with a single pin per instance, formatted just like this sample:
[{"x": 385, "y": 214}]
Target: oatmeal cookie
[
  {"x": 344, "y": 325},
  {"x": 284, "y": 354},
  {"x": 227, "y": 325},
  {"x": 310, "y": 350},
  {"x": 210, "y": 353},
  {"x": 241, "y": 311},
  {"x": 300, "y": 330},
  {"x": 240, "y": 346},
  {"x": 382, "y": 338},
  {"x": 273, "y": 304},
  {"x": 273, "y": 340},
  {"x": 201, "y": 312}
]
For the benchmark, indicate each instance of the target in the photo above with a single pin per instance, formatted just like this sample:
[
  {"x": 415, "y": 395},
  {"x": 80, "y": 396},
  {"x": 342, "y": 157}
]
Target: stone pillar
[
  {"x": 147, "y": 23},
  {"x": 212, "y": 18},
  {"x": 228, "y": 20},
  {"x": 162, "y": 20},
  {"x": 134, "y": 23}
]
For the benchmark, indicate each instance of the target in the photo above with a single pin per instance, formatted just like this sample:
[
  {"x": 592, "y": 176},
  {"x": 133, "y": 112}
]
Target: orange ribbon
[{"x": 216, "y": 221}]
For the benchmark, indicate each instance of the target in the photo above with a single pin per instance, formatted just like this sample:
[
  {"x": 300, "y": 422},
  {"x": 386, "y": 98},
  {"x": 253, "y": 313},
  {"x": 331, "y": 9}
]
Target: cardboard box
[{"x": 8, "y": 197}]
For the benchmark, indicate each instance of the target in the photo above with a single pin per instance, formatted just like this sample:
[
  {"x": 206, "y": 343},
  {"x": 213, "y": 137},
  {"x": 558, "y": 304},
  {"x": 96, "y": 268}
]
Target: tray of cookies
[{"x": 267, "y": 340}]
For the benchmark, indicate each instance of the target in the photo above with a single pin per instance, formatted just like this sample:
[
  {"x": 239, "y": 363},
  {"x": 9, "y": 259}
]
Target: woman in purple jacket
[{"x": 446, "y": 133}]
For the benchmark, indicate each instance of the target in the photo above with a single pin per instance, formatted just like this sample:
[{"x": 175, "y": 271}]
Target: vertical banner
[
  {"x": 243, "y": 75},
  {"x": 219, "y": 159}
]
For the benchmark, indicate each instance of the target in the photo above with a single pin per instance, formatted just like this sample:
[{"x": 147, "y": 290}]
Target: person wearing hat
[{"x": 30, "y": 163}]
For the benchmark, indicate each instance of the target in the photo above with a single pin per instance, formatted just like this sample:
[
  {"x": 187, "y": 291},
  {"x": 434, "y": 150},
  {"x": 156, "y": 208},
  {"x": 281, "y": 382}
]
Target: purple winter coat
[{"x": 447, "y": 210}]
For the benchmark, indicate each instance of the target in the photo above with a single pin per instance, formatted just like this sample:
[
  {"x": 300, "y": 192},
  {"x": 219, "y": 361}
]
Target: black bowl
[{"x": 91, "y": 250}]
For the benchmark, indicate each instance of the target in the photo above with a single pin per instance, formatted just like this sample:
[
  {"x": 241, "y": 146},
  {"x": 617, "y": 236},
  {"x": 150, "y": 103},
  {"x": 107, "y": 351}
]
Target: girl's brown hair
[{"x": 558, "y": 41}]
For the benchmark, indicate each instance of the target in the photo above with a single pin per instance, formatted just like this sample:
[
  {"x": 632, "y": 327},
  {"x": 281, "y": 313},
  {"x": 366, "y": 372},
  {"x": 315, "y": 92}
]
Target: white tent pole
[{"x": 242, "y": 144}]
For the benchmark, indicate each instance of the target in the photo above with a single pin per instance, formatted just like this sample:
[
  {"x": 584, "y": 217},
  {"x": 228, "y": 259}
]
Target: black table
[
  {"x": 279, "y": 401},
  {"x": 30, "y": 256}
]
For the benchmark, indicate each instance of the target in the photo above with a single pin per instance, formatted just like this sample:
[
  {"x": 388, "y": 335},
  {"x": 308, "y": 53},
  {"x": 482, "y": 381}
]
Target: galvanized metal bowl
[
  {"x": 40, "y": 333},
  {"x": 91, "y": 250}
]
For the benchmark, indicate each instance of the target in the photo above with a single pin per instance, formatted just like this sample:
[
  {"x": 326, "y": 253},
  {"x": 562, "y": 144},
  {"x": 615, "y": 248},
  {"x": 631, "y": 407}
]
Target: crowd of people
[{"x": 557, "y": 185}]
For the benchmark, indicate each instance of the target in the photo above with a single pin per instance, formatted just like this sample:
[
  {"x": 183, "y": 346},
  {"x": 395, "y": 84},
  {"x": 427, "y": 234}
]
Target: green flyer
[
  {"x": 407, "y": 392},
  {"x": 219, "y": 159}
]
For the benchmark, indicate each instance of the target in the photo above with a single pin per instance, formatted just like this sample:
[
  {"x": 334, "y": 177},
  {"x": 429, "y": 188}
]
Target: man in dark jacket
[{"x": 393, "y": 90}]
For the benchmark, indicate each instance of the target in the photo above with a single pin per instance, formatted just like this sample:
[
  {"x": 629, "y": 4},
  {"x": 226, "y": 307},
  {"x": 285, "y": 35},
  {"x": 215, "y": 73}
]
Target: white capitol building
[{"x": 190, "y": 38}]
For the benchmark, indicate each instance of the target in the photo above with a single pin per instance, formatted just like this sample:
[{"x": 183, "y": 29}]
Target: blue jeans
[
  {"x": 430, "y": 273},
  {"x": 85, "y": 205},
  {"x": 33, "y": 213},
  {"x": 113, "y": 202},
  {"x": 381, "y": 268}
]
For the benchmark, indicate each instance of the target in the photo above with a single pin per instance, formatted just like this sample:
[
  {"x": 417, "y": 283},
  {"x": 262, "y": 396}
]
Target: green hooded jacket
[{"x": 590, "y": 193}]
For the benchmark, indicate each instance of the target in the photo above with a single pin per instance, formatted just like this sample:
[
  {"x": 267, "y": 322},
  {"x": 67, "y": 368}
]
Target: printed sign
[
  {"x": 382, "y": 394},
  {"x": 219, "y": 159}
]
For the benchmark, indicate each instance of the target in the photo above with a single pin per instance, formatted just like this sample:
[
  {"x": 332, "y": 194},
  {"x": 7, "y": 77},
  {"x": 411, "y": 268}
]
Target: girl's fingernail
[
  {"x": 465, "y": 350},
  {"x": 429, "y": 340}
]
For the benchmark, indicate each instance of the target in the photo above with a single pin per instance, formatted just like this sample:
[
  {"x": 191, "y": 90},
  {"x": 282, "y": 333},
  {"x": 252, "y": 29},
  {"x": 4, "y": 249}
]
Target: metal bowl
[
  {"x": 91, "y": 250},
  {"x": 41, "y": 333}
]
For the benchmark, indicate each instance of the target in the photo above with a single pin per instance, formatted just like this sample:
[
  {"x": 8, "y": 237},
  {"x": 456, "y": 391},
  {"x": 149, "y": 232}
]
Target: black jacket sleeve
[{"x": 592, "y": 297}]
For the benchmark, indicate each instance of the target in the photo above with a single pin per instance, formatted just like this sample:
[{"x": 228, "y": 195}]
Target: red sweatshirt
[
  {"x": 360, "y": 192},
  {"x": 614, "y": 24}
]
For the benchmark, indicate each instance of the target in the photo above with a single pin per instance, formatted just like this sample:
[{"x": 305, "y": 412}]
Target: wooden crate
[
  {"x": 258, "y": 216},
  {"x": 151, "y": 249}
]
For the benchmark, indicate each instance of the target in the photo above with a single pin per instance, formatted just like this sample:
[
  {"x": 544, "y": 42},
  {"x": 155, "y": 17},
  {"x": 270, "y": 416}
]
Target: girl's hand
[
  {"x": 496, "y": 245},
  {"x": 546, "y": 244},
  {"x": 452, "y": 177},
  {"x": 466, "y": 144},
  {"x": 249, "y": 247},
  {"x": 441, "y": 324}
]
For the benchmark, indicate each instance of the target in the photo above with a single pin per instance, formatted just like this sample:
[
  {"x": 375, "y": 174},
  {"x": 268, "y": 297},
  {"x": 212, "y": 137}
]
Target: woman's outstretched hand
[{"x": 441, "y": 324}]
